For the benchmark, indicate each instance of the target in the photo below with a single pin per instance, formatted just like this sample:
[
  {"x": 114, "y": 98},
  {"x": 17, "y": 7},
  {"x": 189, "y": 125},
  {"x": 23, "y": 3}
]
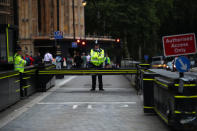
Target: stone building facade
[{"x": 39, "y": 19}]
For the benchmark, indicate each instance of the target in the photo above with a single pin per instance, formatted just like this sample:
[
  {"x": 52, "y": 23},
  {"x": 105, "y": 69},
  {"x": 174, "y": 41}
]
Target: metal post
[
  {"x": 73, "y": 7},
  {"x": 181, "y": 74},
  {"x": 58, "y": 26}
]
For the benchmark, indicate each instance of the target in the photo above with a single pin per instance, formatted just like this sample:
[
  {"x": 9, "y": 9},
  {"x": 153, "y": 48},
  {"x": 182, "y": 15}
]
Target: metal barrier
[
  {"x": 174, "y": 99},
  {"x": 147, "y": 84},
  {"x": 45, "y": 81},
  {"x": 10, "y": 84},
  {"x": 88, "y": 71},
  {"x": 138, "y": 78},
  {"x": 10, "y": 88},
  {"x": 29, "y": 81}
]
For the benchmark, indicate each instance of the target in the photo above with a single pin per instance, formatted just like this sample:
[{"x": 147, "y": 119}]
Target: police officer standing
[
  {"x": 19, "y": 65},
  {"x": 97, "y": 60}
]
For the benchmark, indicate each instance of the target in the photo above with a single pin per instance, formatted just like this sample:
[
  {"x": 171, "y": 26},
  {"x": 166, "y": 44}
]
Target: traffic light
[
  {"x": 118, "y": 40},
  {"x": 78, "y": 41},
  {"x": 118, "y": 43},
  {"x": 83, "y": 43}
]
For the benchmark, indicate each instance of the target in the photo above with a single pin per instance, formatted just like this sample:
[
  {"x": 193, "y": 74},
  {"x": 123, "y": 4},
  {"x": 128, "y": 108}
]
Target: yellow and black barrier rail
[
  {"x": 88, "y": 72},
  {"x": 8, "y": 74}
]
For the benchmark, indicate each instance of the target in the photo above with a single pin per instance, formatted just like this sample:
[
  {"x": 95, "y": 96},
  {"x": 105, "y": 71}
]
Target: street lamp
[{"x": 84, "y": 2}]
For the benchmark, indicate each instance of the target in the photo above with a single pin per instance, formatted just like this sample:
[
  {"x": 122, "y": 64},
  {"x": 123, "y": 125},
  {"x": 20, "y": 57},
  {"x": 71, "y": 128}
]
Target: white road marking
[
  {"x": 75, "y": 106},
  {"x": 125, "y": 106},
  {"x": 89, "y": 106},
  {"x": 66, "y": 103},
  {"x": 65, "y": 81},
  {"x": 11, "y": 116}
]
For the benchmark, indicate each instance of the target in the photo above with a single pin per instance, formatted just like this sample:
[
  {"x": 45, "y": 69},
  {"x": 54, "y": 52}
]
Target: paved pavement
[{"x": 70, "y": 106}]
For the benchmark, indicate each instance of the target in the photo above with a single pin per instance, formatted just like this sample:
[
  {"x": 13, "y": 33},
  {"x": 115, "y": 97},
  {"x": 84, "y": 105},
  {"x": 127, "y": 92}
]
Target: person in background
[
  {"x": 58, "y": 61},
  {"x": 77, "y": 60},
  {"x": 107, "y": 61},
  {"x": 64, "y": 64},
  {"x": 32, "y": 60},
  {"x": 48, "y": 58},
  {"x": 28, "y": 59},
  {"x": 118, "y": 61},
  {"x": 69, "y": 62},
  {"x": 88, "y": 60},
  {"x": 19, "y": 65},
  {"x": 38, "y": 59},
  {"x": 84, "y": 61}
]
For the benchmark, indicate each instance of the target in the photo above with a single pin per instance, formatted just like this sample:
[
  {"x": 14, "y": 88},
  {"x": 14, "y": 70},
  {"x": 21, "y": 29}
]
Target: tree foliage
[{"x": 141, "y": 23}]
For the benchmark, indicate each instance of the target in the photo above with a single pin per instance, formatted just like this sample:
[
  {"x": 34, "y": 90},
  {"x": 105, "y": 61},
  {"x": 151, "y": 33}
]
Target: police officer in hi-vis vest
[
  {"x": 19, "y": 65},
  {"x": 97, "y": 59}
]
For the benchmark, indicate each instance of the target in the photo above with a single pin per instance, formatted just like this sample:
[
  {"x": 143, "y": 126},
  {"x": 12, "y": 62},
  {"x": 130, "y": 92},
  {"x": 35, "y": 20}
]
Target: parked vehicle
[
  {"x": 158, "y": 62},
  {"x": 170, "y": 66}
]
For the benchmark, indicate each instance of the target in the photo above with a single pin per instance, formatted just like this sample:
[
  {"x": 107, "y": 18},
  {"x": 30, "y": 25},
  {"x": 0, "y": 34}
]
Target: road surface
[{"x": 70, "y": 106}]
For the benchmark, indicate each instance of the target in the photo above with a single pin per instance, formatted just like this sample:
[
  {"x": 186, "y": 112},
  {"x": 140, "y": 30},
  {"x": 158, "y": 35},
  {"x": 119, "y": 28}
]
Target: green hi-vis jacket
[
  {"x": 107, "y": 60},
  {"x": 19, "y": 63},
  {"x": 97, "y": 57}
]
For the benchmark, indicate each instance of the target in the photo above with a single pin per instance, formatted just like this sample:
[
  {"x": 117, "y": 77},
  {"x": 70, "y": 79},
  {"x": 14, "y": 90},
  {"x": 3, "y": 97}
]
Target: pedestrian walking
[
  {"x": 77, "y": 60},
  {"x": 48, "y": 58},
  {"x": 58, "y": 61},
  {"x": 84, "y": 61},
  {"x": 28, "y": 59},
  {"x": 88, "y": 60},
  {"x": 97, "y": 60},
  {"x": 69, "y": 62},
  {"x": 107, "y": 61},
  {"x": 38, "y": 59}
]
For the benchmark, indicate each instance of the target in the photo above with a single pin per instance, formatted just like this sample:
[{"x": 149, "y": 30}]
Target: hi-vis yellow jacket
[
  {"x": 19, "y": 63},
  {"x": 97, "y": 57}
]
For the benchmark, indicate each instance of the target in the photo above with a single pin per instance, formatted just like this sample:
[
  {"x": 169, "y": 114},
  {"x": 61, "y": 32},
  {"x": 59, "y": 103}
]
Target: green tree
[{"x": 141, "y": 23}]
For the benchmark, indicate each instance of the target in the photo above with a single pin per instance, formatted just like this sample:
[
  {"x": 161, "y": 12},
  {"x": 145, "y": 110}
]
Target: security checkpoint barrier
[
  {"x": 10, "y": 88},
  {"x": 147, "y": 85},
  {"x": 29, "y": 80},
  {"x": 45, "y": 81},
  {"x": 10, "y": 84},
  {"x": 138, "y": 77},
  {"x": 88, "y": 72},
  {"x": 174, "y": 99},
  {"x": 46, "y": 76},
  {"x": 41, "y": 78}
]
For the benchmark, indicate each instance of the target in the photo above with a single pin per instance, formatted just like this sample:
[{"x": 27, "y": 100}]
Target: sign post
[
  {"x": 58, "y": 35},
  {"x": 177, "y": 45},
  {"x": 182, "y": 65}
]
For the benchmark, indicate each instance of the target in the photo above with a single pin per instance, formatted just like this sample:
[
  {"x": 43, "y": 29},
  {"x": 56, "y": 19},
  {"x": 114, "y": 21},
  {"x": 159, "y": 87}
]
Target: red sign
[{"x": 179, "y": 44}]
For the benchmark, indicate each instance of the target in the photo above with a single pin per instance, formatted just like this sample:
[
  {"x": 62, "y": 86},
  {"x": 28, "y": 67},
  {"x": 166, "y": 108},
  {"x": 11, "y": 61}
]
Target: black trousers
[{"x": 100, "y": 79}]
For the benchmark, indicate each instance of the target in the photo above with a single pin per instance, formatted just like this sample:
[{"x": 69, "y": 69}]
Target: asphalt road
[{"x": 70, "y": 106}]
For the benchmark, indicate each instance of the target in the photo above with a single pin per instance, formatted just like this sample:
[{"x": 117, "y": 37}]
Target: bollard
[{"x": 148, "y": 91}]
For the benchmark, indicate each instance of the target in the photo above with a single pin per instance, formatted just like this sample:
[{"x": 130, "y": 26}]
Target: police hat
[{"x": 96, "y": 43}]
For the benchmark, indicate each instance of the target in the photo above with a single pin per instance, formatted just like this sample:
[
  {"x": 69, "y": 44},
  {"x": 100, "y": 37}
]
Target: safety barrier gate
[
  {"x": 41, "y": 78},
  {"x": 88, "y": 71},
  {"x": 173, "y": 99}
]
